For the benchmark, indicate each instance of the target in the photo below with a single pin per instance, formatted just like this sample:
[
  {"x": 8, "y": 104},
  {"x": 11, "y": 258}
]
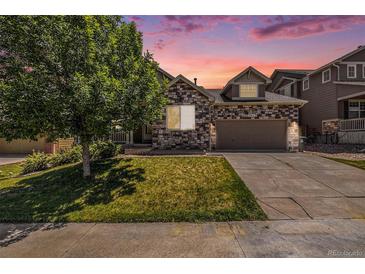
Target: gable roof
[
  {"x": 246, "y": 70},
  {"x": 181, "y": 77},
  {"x": 295, "y": 73},
  {"x": 250, "y": 68},
  {"x": 165, "y": 73},
  {"x": 360, "y": 48}
]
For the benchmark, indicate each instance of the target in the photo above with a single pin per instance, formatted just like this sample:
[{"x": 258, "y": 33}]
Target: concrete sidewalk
[{"x": 305, "y": 238}]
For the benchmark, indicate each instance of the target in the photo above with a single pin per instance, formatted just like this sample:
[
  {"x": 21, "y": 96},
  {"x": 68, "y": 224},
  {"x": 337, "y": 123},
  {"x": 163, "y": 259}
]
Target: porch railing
[
  {"x": 352, "y": 124},
  {"x": 121, "y": 137}
]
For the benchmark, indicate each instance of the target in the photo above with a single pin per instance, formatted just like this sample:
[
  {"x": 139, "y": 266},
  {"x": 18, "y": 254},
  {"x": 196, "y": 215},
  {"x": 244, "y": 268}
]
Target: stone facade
[
  {"x": 182, "y": 93},
  {"x": 330, "y": 126},
  {"x": 203, "y": 137},
  {"x": 260, "y": 112}
]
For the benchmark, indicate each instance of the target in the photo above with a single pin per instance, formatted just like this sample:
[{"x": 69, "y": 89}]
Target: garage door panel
[{"x": 251, "y": 134}]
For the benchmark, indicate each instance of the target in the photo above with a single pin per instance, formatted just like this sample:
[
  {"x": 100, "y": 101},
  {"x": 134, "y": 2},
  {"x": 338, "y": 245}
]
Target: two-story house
[
  {"x": 335, "y": 93},
  {"x": 243, "y": 115}
]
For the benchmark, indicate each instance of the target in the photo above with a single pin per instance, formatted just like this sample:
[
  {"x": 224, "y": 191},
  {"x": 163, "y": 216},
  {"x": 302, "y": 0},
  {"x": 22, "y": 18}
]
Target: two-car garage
[{"x": 252, "y": 134}]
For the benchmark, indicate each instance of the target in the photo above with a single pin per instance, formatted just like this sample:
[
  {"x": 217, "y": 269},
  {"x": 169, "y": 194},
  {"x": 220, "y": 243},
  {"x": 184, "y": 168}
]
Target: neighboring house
[
  {"x": 23, "y": 146},
  {"x": 335, "y": 93},
  {"x": 241, "y": 116}
]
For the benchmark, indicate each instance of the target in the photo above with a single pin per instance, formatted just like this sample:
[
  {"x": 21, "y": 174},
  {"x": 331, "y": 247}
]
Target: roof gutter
[{"x": 300, "y": 104}]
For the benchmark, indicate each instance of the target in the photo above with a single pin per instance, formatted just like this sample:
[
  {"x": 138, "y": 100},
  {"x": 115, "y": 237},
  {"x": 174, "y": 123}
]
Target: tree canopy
[{"x": 63, "y": 76}]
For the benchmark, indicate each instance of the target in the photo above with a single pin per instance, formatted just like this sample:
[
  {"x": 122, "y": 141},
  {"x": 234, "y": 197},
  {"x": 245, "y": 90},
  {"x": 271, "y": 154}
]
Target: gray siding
[
  {"x": 345, "y": 90},
  {"x": 359, "y": 73},
  {"x": 249, "y": 77},
  {"x": 322, "y": 102}
]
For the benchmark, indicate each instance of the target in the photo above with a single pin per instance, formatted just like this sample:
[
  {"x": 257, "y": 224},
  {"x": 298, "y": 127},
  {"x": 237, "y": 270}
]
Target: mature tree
[{"x": 64, "y": 76}]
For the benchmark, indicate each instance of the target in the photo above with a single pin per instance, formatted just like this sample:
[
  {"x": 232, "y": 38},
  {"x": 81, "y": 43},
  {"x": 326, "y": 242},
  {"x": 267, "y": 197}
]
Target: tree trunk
[{"x": 86, "y": 160}]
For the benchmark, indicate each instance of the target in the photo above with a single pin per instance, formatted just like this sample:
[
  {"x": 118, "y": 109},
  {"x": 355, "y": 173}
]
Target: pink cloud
[
  {"x": 187, "y": 24},
  {"x": 136, "y": 19},
  {"x": 216, "y": 71},
  {"x": 300, "y": 26},
  {"x": 160, "y": 44}
]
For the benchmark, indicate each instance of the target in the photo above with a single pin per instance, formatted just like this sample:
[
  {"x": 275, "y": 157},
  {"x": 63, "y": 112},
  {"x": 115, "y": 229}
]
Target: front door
[{"x": 147, "y": 133}]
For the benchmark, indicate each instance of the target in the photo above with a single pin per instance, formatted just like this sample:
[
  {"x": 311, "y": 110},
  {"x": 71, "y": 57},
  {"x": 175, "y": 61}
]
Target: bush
[
  {"x": 98, "y": 150},
  {"x": 35, "y": 162},
  {"x": 104, "y": 149},
  {"x": 68, "y": 156}
]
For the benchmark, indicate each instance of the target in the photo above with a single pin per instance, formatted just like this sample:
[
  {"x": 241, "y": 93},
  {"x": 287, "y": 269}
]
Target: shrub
[
  {"x": 68, "y": 156},
  {"x": 104, "y": 149},
  {"x": 40, "y": 161},
  {"x": 35, "y": 162}
]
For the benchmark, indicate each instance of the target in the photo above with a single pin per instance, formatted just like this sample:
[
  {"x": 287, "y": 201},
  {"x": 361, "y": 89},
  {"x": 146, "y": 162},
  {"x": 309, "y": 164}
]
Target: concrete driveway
[
  {"x": 302, "y": 186},
  {"x": 11, "y": 158}
]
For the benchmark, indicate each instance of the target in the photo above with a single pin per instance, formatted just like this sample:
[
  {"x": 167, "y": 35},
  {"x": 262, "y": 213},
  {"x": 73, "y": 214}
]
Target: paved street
[
  {"x": 11, "y": 158},
  {"x": 302, "y": 186},
  {"x": 304, "y": 238}
]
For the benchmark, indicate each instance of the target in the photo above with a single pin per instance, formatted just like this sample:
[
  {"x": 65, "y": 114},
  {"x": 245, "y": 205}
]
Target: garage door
[{"x": 251, "y": 134}]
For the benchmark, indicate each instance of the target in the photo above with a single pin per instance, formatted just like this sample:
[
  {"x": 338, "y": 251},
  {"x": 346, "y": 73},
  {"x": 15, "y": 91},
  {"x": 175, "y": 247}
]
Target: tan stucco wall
[{"x": 22, "y": 146}]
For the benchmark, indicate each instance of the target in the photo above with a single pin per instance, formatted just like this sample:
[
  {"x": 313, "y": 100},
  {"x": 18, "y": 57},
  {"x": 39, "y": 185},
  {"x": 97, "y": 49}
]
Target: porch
[
  {"x": 345, "y": 131},
  {"x": 140, "y": 136}
]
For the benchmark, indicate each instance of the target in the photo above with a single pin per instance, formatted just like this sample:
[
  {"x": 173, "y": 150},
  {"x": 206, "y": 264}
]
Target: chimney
[{"x": 195, "y": 79}]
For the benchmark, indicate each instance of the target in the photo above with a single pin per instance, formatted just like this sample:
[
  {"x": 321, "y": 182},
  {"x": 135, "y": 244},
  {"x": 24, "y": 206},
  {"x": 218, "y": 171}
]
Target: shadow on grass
[{"x": 50, "y": 196}]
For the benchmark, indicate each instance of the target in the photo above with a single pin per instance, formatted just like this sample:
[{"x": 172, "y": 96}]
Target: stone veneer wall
[
  {"x": 183, "y": 94},
  {"x": 238, "y": 112},
  {"x": 203, "y": 137},
  {"x": 330, "y": 126}
]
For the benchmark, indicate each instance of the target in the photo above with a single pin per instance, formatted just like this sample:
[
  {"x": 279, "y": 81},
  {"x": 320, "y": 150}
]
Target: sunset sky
[{"x": 216, "y": 48}]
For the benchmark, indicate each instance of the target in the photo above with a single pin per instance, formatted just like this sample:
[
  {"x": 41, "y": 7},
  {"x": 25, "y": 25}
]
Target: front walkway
[
  {"x": 305, "y": 238},
  {"x": 302, "y": 186}
]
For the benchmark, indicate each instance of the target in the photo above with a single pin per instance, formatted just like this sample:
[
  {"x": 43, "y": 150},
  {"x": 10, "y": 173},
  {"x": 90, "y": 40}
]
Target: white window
[
  {"x": 356, "y": 109},
  {"x": 305, "y": 83},
  {"x": 248, "y": 90},
  {"x": 351, "y": 71},
  {"x": 180, "y": 117},
  {"x": 326, "y": 76}
]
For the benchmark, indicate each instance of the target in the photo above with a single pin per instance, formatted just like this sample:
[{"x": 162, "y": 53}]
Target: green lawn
[
  {"x": 355, "y": 163},
  {"x": 10, "y": 170},
  {"x": 131, "y": 190}
]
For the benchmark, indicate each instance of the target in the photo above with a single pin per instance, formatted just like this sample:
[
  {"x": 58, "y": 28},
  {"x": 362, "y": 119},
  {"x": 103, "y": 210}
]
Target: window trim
[
  {"x": 180, "y": 113},
  {"x": 305, "y": 79},
  {"x": 329, "y": 78},
  {"x": 363, "y": 71},
  {"x": 246, "y": 84},
  {"x": 355, "y": 71},
  {"x": 359, "y": 111}
]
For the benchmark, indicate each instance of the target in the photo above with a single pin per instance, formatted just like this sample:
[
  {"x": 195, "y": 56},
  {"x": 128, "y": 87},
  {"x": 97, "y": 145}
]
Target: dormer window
[
  {"x": 326, "y": 76},
  {"x": 248, "y": 90},
  {"x": 351, "y": 71}
]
